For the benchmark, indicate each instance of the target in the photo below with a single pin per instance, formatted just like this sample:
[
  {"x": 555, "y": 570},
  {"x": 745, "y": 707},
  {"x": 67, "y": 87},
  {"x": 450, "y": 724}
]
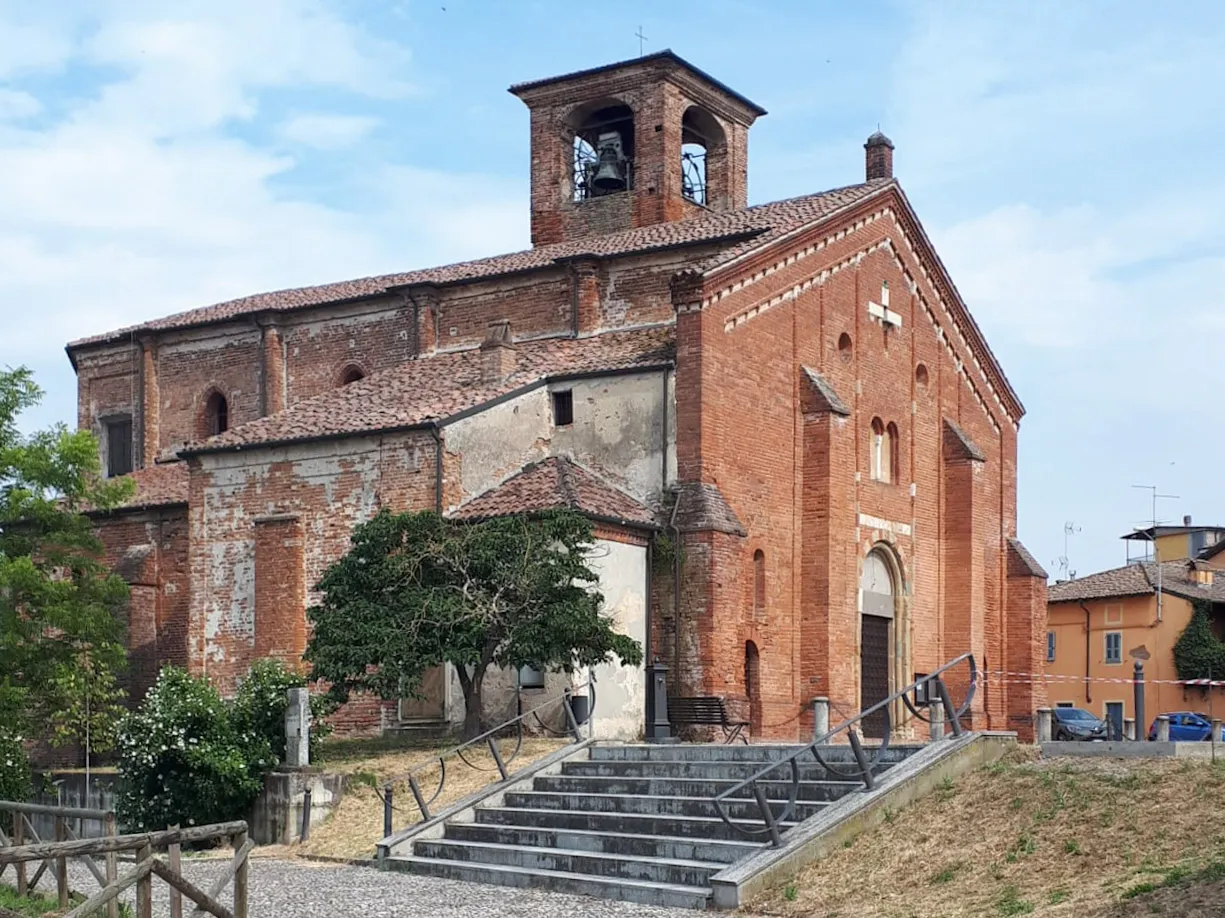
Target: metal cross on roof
[{"x": 641, "y": 38}]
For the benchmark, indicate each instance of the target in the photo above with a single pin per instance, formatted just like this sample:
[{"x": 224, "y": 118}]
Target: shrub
[
  {"x": 1197, "y": 653},
  {"x": 183, "y": 758},
  {"x": 260, "y": 704},
  {"x": 14, "y": 768}
]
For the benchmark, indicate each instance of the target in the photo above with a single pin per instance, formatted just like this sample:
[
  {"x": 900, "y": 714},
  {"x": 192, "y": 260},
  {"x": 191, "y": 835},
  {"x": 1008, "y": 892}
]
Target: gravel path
[{"x": 304, "y": 889}]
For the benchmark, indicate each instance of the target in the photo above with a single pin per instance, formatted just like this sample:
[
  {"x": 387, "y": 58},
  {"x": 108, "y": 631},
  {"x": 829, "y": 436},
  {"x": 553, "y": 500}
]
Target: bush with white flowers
[
  {"x": 184, "y": 759},
  {"x": 14, "y": 767}
]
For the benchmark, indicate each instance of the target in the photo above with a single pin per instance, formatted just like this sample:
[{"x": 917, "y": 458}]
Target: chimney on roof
[
  {"x": 1186, "y": 520},
  {"x": 497, "y": 353},
  {"x": 879, "y": 157}
]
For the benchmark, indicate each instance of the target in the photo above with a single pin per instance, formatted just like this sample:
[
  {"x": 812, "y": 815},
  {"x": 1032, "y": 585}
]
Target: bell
[{"x": 608, "y": 175}]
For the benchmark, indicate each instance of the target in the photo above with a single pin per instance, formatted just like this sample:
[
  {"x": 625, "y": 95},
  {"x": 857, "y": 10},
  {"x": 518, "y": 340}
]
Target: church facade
[{"x": 786, "y": 408}]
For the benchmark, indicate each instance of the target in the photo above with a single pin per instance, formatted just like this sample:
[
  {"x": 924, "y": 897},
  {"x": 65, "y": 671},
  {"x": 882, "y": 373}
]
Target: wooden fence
[{"x": 147, "y": 865}]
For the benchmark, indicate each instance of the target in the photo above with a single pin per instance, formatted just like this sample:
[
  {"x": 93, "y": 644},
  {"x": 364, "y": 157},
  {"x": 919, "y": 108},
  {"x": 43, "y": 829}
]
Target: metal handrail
[
  {"x": 489, "y": 737},
  {"x": 864, "y": 767}
]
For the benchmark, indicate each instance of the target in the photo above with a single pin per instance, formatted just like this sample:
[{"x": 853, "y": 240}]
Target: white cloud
[
  {"x": 17, "y": 105},
  {"x": 147, "y": 194},
  {"x": 327, "y": 132}
]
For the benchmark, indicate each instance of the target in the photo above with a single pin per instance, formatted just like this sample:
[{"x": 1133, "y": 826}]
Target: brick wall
[{"x": 800, "y": 481}]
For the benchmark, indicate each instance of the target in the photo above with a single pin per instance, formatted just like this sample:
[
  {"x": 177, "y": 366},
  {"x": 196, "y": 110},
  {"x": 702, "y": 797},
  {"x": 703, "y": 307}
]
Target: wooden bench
[{"x": 706, "y": 711}]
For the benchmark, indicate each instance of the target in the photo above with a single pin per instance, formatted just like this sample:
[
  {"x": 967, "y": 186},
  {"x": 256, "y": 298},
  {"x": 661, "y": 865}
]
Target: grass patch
[
  {"x": 36, "y": 906},
  {"x": 356, "y": 824},
  {"x": 1025, "y": 836}
]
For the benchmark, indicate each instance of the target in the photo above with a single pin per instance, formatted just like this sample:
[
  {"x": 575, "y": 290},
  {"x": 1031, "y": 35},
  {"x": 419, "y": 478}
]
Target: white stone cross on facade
[{"x": 882, "y": 311}]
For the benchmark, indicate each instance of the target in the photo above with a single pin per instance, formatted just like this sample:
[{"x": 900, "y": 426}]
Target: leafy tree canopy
[
  {"x": 417, "y": 590},
  {"x": 60, "y": 639}
]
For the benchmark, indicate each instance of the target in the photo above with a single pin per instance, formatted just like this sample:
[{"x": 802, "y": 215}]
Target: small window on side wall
[
  {"x": 563, "y": 408},
  {"x": 351, "y": 374},
  {"x": 118, "y": 447},
  {"x": 1050, "y": 647},
  {"x": 216, "y": 415},
  {"x": 1114, "y": 646}
]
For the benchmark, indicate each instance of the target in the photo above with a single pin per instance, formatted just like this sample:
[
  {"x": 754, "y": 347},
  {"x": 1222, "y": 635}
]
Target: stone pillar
[
  {"x": 297, "y": 728},
  {"x": 149, "y": 403},
  {"x": 820, "y": 718},
  {"x": 936, "y": 711},
  {"x": 1044, "y": 725},
  {"x": 1129, "y": 728},
  {"x": 1163, "y": 728}
]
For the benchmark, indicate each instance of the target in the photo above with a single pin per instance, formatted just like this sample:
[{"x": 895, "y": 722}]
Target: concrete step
[
  {"x": 689, "y": 787},
  {"x": 625, "y": 823},
  {"x": 709, "y": 771},
  {"x": 710, "y": 752},
  {"x": 671, "y": 871},
  {"x": 689, "y": 849},
  {"x": 642, "y": 804},
  {"x": 640, "y": 891}
]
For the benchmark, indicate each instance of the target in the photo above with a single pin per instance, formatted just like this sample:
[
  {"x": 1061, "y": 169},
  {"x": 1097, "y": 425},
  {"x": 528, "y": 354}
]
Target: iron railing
[
  {"x": 929, "y": 690},
  {"x": 489, "y": 738}
]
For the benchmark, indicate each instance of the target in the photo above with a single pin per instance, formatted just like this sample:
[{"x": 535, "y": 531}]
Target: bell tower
[{"x": 645, "y": 141}]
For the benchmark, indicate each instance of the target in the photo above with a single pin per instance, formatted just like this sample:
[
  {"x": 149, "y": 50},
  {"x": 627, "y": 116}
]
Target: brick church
[{"x": 788, "y": 404}]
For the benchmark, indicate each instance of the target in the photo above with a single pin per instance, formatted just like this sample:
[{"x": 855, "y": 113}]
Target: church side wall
[{"x": 295, "y": 507}]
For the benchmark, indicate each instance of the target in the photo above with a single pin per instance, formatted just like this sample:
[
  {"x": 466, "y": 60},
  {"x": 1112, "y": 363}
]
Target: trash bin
[{"x": 580, "y": 705}]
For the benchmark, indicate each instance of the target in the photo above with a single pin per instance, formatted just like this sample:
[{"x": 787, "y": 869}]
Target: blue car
[{"x": 1185, "y": 726}]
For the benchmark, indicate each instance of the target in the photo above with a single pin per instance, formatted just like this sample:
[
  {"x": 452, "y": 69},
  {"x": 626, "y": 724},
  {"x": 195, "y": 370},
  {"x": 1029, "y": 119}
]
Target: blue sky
[{"x": 1064, "y": 157}]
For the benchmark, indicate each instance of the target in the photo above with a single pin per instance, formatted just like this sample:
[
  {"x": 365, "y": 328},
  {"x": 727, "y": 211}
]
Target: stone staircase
[{"x": 635, "y": 823}]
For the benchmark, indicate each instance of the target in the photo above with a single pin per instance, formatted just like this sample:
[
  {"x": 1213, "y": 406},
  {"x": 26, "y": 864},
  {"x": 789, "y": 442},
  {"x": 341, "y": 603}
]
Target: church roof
[
  {"x": 157, "y": 486},
  {"x": 667, "y": 57},
  {"x": 443, "y": 387},
  {"x": 759, "y": 224},
  {"x": 553, "y": 484}
]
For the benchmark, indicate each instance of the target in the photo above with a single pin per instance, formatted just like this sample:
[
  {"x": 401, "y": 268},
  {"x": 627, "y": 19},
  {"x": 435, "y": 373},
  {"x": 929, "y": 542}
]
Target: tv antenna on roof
[
  {"x": 1069, "y": 529},
  {"x": 1152, "y": 536}
]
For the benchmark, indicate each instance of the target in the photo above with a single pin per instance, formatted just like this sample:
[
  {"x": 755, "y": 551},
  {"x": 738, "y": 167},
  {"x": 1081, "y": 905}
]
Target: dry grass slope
[
  {"x": 1075, "y": 838},
  {"x": 356, "y": 824}
]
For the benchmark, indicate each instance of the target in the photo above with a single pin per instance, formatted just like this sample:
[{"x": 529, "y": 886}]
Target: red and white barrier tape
[{"x": 1006, "y": 676}]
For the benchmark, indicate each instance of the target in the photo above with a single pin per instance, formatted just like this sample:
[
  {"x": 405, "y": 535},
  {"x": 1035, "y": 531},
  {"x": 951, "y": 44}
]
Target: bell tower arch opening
[
  {"x": 634, "y": 144},
  {"x": 603, "y": 149},
  {"x": 703, "y": 155}
]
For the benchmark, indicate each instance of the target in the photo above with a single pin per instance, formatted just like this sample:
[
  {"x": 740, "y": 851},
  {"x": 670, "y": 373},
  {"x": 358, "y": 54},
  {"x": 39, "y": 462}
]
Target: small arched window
[
  {"x": 216, "y": 415},
  {"x": 759, "y": 584},
  {"x": 878, "y": 463},
  {"x": 351, "y": 374},
  {"x": 894, "y": 465}
]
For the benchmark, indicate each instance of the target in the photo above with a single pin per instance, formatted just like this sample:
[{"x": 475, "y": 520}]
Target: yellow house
[
  {"x": 1098, "y": 625},
  {"x": 1174, "y": 542}
]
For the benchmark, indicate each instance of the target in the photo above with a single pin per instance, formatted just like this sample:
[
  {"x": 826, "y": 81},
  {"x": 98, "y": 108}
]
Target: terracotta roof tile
[
  {"x": 554, "y": 484},
  {"x": 1138, "y": 580},
  {"x": 739, "y": 229},
  {"x": 440, "y": 386},
  {"x": 158, "y": 486},
  {"x": 1028, "y": 563}
]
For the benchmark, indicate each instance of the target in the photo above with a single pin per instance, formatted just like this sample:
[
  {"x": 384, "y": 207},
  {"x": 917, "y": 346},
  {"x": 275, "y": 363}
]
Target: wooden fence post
[
  {"x": 240, "y": 877},
  {"x": 176, "y": 897},
  {"x": 144, "y": 886},
  {"x": 61, "y": 863},
  {"x": 19, "y": 839},
  {"x": 110, "y": 830}
]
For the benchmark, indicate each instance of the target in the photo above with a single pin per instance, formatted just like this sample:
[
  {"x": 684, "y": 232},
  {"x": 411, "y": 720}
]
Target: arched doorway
[
  {"x": 878, "y": 604},
  {"x": 752, "y": 686}
]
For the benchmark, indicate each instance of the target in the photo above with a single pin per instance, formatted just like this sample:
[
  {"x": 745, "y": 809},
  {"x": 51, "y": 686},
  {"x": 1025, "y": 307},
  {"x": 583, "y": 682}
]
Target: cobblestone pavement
[{"x": 305, "y": 889}]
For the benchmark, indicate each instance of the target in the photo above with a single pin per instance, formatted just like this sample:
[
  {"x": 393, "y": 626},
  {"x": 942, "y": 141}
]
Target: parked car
[
  {"x": 1185, "y": 726},
  {"x": 1077, "y": 724}
]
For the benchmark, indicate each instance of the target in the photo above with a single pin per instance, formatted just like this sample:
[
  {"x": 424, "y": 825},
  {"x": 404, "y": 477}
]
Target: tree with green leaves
[
  {"x": 61, "y": 639},
  {"x": 417, "y": 590}
]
